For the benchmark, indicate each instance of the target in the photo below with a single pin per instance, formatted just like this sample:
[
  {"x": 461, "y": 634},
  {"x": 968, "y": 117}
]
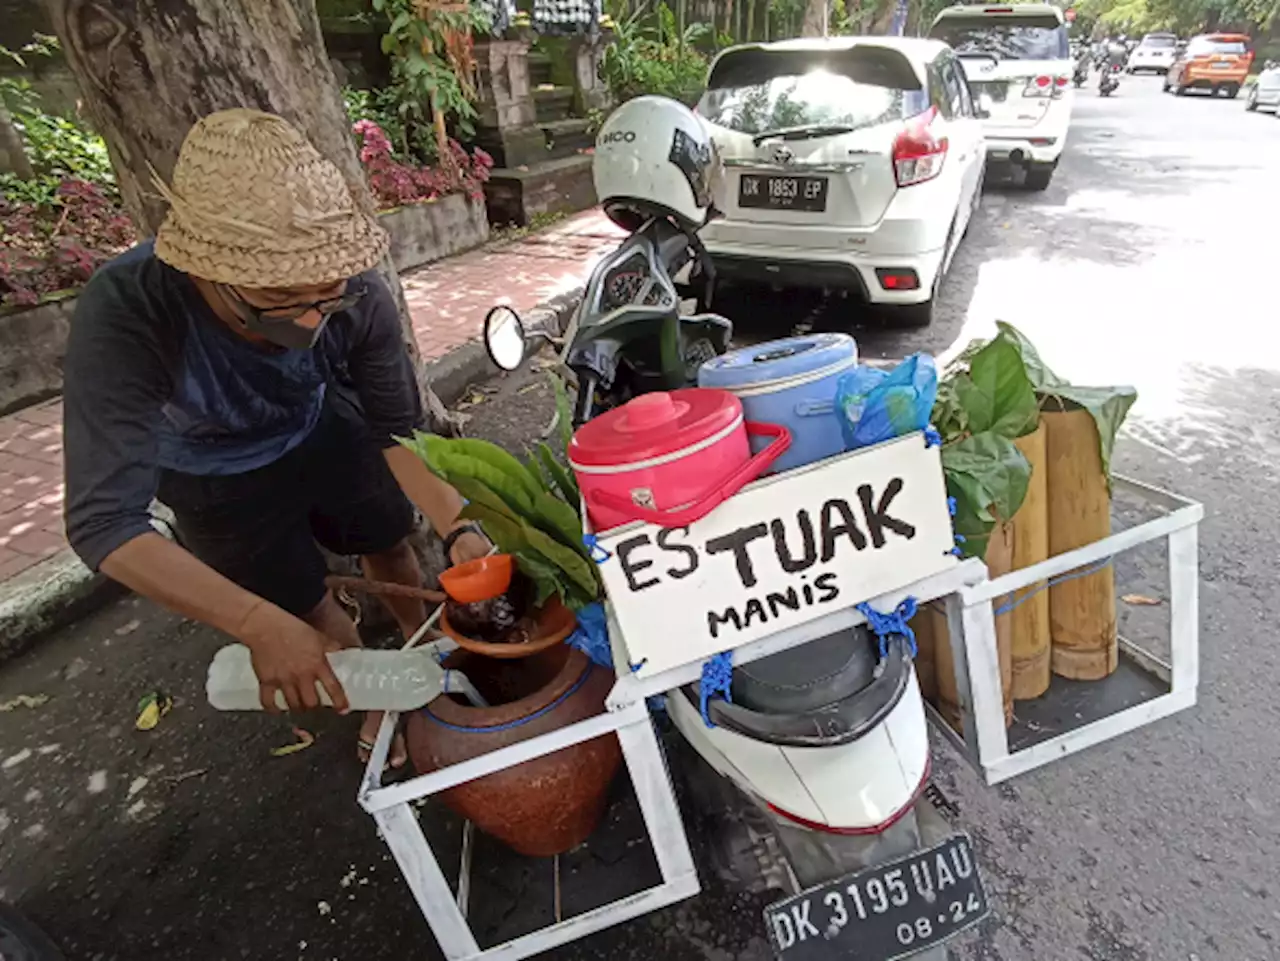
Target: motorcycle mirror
[{"x": 504, "y": 337}]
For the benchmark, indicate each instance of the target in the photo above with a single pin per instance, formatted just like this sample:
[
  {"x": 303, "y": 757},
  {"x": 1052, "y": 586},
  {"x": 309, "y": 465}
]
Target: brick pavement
[{"x": 447, "y": 301}]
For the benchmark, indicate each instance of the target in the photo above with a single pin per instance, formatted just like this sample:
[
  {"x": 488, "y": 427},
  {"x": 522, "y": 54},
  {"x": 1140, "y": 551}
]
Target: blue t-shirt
[{"x": 154, "y": 381}]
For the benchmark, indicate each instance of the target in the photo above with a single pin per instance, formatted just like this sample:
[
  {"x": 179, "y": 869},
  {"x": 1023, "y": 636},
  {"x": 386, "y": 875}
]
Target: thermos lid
[
  {"x": 775, "y": 362},
  {"x": 653, "y": 426}
]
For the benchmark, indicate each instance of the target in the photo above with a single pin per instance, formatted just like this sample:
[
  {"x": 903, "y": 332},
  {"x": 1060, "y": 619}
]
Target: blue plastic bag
[
  {"x": 876, "y": 405},
  {"x": 591, "y": 636}
]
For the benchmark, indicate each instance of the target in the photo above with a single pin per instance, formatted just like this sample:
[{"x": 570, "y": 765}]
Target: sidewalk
[{"x": 447, "y": 301}]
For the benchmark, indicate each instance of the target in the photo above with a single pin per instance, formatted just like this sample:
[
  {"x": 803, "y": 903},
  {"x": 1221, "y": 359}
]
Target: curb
[
  {"x": 451, "y": 375},
  {"x": 61, "y": 590}
]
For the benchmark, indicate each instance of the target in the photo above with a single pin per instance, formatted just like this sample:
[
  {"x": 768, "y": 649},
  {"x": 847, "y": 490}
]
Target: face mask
[{"x": 285, "y": 333}]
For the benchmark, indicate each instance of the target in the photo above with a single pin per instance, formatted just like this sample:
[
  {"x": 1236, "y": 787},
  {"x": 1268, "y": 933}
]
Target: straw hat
[{"x": 253, "y": 204}]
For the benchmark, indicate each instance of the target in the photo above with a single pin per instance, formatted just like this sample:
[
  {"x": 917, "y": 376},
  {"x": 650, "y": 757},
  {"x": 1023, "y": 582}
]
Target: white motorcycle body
[{"x": 854, "y": 788}]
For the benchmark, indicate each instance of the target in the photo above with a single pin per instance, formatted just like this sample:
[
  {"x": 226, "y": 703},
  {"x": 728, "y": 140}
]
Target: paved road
[{"x": 1141, "y": 263}]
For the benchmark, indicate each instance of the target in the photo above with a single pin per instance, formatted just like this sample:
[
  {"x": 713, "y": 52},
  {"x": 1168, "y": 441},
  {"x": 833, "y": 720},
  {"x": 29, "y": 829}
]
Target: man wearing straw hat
[{"x": 247, "y": 367}]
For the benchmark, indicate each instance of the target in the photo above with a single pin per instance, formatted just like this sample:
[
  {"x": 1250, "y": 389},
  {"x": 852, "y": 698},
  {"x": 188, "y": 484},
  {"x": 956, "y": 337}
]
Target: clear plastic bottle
[{"x": 373, "y": 680}]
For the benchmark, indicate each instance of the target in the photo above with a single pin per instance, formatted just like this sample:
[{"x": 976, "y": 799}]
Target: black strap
[{"x": 451, "y": 538}]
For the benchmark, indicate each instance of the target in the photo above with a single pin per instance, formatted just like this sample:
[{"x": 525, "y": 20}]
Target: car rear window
[
  {"x": 1159, "y": 43},
  {"x": 1204, "y": 46},
  {"x": 1005, "y": 37},
  {"x": 753, "y": 91}
]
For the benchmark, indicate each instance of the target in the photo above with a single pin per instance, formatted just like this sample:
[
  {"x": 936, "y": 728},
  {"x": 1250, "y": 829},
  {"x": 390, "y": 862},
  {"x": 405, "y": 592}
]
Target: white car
[
  {"x": 1156, "y": 53},
  {"x": 1018, "y": 56},
  {"x": 1265, "y": 93},
  {"x": 851, "y": 163}
]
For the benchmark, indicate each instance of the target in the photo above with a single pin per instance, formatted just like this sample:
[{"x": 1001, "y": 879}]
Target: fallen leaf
[
  {"x": 175, "y": 779},
  {"x": 128, "y": 628},
  {"x": 529, "y": 388},
  {"x": 305, "y": 740},
  {"x": 1141, "y": 600},
  {"x": 24, "y": 700},
  {"x": 152, "y": 707}
]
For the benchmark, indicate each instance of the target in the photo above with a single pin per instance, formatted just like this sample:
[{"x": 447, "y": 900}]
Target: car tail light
[
  {"x": 898, "y": 278},
  {"x": 858, "y": 831},
  {"x": 917, "y": 154},
  {"x": 1041, "y": 86}
]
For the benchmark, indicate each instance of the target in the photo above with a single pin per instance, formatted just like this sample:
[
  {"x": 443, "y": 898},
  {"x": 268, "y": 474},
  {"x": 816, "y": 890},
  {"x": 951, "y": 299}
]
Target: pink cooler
[{"x": 668, "y": 458}]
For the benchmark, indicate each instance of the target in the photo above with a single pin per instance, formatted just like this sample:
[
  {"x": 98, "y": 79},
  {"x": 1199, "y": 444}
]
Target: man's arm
[
  {"x": 117, "y": 379},
  {"x": 384, "y": 376}
]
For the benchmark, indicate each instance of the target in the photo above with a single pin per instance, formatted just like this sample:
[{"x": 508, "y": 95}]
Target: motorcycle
[
  {"x": 1110, "y": 80},
  {"x": 1081, "y": 72},
  {"x": 812, "y": 780}
]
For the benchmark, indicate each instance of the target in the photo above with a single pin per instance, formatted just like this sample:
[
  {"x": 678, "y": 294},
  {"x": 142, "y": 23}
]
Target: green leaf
[
  {"x": 1108, "y": 406},
  {"x": 506, "y": 534},
  {"x": 545, "y": 576},
  {"x": 988, "y": 477},
  {"x": 580, "y": 570},
  {"x": 1037, "y": 371},
  {"x": 561, "y": 476},
  {"x": 553, "y": 516},
  {"x": 388, "y": 44},
  {"x": 564, "y": 412},
  {"x": 996, "y": 394},
  {"x": 502, "y": 460}
]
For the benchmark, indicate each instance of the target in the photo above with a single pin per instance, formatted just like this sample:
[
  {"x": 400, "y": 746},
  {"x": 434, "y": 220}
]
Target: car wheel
[
  {"x": 1180, "y": 90},
  {"x": 1251, "y": 101},
  {"x": 1232, "y": 90},
  {"x": 1039, "y": 175}
]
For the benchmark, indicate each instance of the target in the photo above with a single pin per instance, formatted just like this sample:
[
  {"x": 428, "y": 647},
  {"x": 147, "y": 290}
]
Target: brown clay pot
[{"x": 545, "y": 806}]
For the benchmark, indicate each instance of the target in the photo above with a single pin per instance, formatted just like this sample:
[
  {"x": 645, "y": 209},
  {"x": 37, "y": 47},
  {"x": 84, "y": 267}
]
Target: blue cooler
[{"x": 790, "y": 382}]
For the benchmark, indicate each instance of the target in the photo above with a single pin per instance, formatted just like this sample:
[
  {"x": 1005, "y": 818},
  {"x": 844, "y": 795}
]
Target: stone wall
[
  {"x": 32, "y": 344},
  {"x": 422, "y": 233}
]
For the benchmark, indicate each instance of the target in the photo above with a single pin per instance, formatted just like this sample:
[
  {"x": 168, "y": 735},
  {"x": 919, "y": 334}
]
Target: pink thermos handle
[{"x": 719, "y": 492}]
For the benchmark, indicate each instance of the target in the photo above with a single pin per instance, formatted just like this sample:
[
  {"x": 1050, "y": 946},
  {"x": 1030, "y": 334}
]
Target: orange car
[{"x": 1213, "y": 62}]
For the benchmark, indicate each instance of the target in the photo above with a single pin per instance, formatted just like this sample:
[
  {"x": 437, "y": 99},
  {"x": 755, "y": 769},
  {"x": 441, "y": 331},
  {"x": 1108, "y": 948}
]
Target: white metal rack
[{"x": 968, "y": 594}]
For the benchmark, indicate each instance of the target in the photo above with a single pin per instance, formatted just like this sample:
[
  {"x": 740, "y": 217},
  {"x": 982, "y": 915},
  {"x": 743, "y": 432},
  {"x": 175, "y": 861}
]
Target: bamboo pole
[
  {"x": 999, "y": 560},
  {"x": 1082, "y": 610},
  {"x": 1030, "y": 618}
]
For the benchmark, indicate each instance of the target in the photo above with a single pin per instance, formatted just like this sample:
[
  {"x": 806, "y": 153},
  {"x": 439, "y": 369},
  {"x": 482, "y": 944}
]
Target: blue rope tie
[
  {"x": 894, "y": 622},
  {"x": 1060, "y": 579},
  {"x": 931, "y": 437},
  {"x": 717, "y": 679},
  {"x": 595, "y": 550},
  {"x": 638, "y": 664},
  {"x": 951, "y": 506}
]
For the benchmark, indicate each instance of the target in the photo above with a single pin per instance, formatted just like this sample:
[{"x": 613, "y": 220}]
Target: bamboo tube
[
  {"x": 1082, "y": 611},
  {"x": 1030, "y": 619},
  {"x": 999, "y": 560},
  {"x": 926, "y": 655}
]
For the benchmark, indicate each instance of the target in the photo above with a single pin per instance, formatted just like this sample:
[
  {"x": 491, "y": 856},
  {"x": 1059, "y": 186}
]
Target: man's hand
[{"x": 289, "y": 656}]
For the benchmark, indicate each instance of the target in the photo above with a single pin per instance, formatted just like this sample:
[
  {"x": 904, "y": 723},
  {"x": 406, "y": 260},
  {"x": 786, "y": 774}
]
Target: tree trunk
[
  {"x": 13, "y": 157},
  {"x": 148, "y": 70},
  {"x": 814, "y": 12}
]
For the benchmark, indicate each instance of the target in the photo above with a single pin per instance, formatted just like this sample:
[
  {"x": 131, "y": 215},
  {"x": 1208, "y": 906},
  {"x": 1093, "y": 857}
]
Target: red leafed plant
[
  {"x": 395, "y": 184},
  {"x": 53, "y": 246}
]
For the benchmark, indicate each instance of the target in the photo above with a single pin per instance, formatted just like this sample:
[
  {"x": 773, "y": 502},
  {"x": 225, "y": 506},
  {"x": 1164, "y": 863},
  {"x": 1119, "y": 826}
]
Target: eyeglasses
[{"x": 326, "y": 307}]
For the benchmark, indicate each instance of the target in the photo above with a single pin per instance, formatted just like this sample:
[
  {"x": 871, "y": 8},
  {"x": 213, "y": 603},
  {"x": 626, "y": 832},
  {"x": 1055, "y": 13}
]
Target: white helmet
[{"x": 654, "y": 158}]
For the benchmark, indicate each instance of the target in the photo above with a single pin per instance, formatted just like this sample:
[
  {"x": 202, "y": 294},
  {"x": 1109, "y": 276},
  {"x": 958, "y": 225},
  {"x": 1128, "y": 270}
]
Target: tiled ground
[{"x": 447, "y": 301}]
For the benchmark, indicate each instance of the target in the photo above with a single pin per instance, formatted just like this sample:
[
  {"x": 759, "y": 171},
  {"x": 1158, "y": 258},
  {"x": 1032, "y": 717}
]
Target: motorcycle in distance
[
  {"x": 1110, "y": 80},
  {"x": 1081, "y": 73},
  {"x": 812, "y": 781}
]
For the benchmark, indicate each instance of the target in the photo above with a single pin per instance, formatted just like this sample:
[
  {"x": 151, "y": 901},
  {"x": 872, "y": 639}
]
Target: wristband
[{"x": 451, "y": 538}]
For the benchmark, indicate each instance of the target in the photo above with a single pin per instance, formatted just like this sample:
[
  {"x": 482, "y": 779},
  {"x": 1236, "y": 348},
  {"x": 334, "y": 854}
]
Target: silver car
[{"x": 1265, "y": 94}]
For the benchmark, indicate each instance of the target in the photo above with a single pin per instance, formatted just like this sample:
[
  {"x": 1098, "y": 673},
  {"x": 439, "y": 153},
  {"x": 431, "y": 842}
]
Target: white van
[{"x": 1018, "y": 62}]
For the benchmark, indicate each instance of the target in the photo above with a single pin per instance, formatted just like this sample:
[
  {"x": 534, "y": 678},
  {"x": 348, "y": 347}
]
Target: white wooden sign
[{"x": 785, "y": 550}]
